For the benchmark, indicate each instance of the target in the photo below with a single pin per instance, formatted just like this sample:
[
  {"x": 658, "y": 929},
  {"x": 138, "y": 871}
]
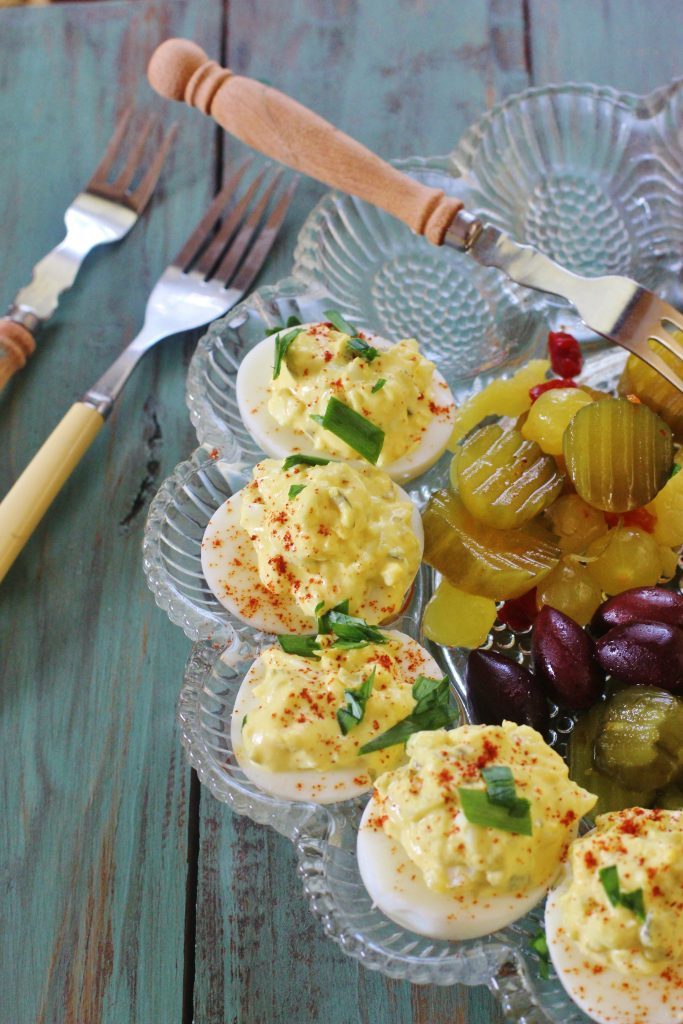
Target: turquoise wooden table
[{"x": 128, "y": 895}]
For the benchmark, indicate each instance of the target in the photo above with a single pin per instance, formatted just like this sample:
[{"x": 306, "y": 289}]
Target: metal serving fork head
[{"x": 210, "y": 274}]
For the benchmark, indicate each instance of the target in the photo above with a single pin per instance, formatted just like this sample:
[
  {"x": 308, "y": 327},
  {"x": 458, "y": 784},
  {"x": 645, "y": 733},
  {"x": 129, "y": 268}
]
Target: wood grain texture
[{"x": 93, "y": 860}]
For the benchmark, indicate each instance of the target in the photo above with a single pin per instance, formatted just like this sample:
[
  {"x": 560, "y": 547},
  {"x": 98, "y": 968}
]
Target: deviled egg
[
  {"x": 325, "y": 389},
  {"x": 468, "y": 836},
  {"x": 302, "y": 537},
  {"x": 301, "y": 721},
  {"x": 614, "y": 923}
]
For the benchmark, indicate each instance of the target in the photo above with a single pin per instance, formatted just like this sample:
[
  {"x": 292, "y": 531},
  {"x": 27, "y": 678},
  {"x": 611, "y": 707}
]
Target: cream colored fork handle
[
  {"x": 281, "y": 128},
  {"x": 29, "y": 499}
]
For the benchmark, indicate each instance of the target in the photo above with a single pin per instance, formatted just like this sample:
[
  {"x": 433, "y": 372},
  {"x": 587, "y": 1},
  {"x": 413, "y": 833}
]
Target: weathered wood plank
[
  {"x": 628, "y": 44},
  {"x": 403, "y": 76},
  {"x": 94, "y": 783}
]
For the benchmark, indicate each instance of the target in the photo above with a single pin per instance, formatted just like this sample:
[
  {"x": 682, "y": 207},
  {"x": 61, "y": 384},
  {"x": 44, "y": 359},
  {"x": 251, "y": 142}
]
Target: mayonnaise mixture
[
  {"x": 348, "y": 534},
  {"x": 295, "y": 725},
  {"x": 420, "y": 808},
  {"x": 319, "y": 365},
  {"x": 646, "y": 847}
]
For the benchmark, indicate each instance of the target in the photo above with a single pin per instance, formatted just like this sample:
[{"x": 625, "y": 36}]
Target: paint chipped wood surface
[{"x": 103, "y": 830}]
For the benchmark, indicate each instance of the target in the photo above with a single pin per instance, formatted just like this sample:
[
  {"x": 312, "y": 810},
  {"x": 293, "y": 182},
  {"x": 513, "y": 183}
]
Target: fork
[
  {"x": 210, "y": 274},
  {"x": 102, "y": 213}
]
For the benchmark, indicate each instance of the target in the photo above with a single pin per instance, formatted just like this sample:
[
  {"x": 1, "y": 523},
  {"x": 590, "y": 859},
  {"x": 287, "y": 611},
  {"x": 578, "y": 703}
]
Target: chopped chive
[
  {"x": 500, "y": 789},
  {"x": 361, "y": 348},
  {"x": 319, "y": 607},
  {"x": 350, "y": 715},
  {"x": 632, "y": 901},
  {"x": 378, "y": 385},
  {"x": 304, "y": 646},
  {"x": 282, "y": 343},
  {"x": 292, "y": 321},
  {"x": 294, "y": 490},
  {"x": 317, "y": 417},
  {"x": 676, "y": 469},
  {"x": 479, "y": 810},
  {"x": 358, "y": 432},
  {"x": 432, "y": 711},
  {"x": 324, "y": 620},
  {"x": 338, "y": 322},
  {"x": 303, "y": 460},
  {"x": 350, "y": 628},
  {"x": 539, "y": 944}
]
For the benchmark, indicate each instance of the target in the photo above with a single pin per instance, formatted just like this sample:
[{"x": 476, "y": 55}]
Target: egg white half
[
  {"x": 607, "y": 996},
  {"x": 254, "y": 376},
  {"x": 230, "y": 569},
  {"x": 321, "y": 787},
  {"x": 395, "y": 884}
]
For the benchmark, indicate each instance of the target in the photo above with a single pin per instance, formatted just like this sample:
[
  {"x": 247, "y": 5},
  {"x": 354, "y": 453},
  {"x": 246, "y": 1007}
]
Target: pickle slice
[
  {"x": 641, "y": 737},
  {"x": 612, "y": 796},
  {"x": 618, "y": 454},
  {"x": 662, "y": 397},
  {"x": 480, "y": 560},
  {"x": 503, "y": 479}
]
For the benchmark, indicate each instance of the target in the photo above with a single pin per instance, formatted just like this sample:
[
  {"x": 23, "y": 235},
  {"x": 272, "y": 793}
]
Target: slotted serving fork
[
  {"x": 104, "y": 212},
  {"x": 210, "y": 274}
]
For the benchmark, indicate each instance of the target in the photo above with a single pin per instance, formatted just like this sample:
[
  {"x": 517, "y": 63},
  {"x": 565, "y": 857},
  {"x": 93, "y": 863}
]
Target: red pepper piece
[
  {"x": 639, "y": 517},
  {"x": 519, "y": 613},
  {"x": 565, "y": 354},
  {"x": 549, "y": 385}
]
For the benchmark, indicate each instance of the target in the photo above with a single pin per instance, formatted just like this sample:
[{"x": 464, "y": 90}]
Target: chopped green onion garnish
[
  {"x": 324, "y": 620},
  {"x": 500, "y": 789},
  {"x": 294, "y": 490},
  {"x": 348, "y": 425},
  {"x": 292, "y": 321},
  {"x": 303, "y": 460},
  {"x": 432, "y": 711},
  {"x": 304, "y": 646},
  {"x": 362, "y": 348},
  {"x": 348, "y": 627},
  {"x": 676, "y": 469},
  {"x": 281, "y": 345},
  {"x": 319, "y": 607},
  {"x": 498, "y": 806},
  {"x": 378, "y": 385},
  {"x": 632, "y": 901},
  {"x": 316, "y": 417},
  {"x": 350, "y": 715},
  {"x": 539, "y": 944},
  {"x": 338, "y": 321}
]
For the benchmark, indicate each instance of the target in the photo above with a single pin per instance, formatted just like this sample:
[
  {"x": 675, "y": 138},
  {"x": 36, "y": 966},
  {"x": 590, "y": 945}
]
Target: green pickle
[
  {"x": 503, "y": 479},
  {"x": 476, "y": 558},
  {"x": 641, "y": 737},
  {"x": 640, "y": 379},
  {"x": 618, "y": 454}
]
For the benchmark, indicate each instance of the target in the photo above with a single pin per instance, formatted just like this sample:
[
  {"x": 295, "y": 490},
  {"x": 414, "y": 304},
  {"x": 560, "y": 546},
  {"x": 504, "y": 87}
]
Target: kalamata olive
[
  {"x": 640, "y": 604},
  {"x": 644, "y": 653},
  {"x": 564, "y": 660},
  {"x": 501, "y": 689}
]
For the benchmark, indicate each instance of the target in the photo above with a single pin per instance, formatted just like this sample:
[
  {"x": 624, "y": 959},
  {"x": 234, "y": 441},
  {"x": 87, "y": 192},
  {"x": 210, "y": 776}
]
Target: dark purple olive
[
  {"x": 644, "y": 653},
  {"x": 564, "y": 660},
  {"x": 640, "y": 604},
  {"x": 501, "y": 689}
]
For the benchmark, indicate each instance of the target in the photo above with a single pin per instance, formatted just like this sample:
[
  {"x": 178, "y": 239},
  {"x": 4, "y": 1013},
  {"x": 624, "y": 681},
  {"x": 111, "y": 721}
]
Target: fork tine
[
  {"x": 132, "y": 163},
  {"x": 654, "y": 360},
  {"x": 232, "y": 221},
  {"x": 102, "y": 170},
  {"x": 238, "y": 246},
  {"x": 141, "y": 196},
  {"x": 264, "y": 242},
  {"x": 198, "y": 237}
]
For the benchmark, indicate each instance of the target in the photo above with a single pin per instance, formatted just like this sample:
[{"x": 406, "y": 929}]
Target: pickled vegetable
[
  {"x": 571, "y": 589},
  {"x": 550, "y": 416},
  {"x": 564, "y": 660},
  {"x": 576, "y": 523},
  {"x": 456, "y": 619},
  {"x": 565, "y": 354},
  {"x": 501, "y": 690},
  {"x": 641, "y": 737},
  {"x": 642, "y": 604},
  {"x": 646, "y": 653},
  {"x": 667, "y": 508},
  {"x": 624, "y": 558},
  {"x": 480, "y": 560},
  {"x": 612, "y": 796},
  {"x": 503, "y": 479},
  {"x": 640, "y": 379},
  {"x": 499, "y": 398},
  {"x": 618, "y": 454}
]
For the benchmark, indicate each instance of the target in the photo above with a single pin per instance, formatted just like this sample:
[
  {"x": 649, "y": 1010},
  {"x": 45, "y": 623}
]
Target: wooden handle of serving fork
[
  {"x": 281, "y": 128},
  {"x": 29, "y": 499},
  {"x": 16, "y": 345}
]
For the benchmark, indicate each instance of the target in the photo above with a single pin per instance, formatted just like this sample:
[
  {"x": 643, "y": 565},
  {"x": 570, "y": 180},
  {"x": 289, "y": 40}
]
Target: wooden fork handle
[
  {"x": 16, "y": 345},
  {"x": 284, "y": 130}
]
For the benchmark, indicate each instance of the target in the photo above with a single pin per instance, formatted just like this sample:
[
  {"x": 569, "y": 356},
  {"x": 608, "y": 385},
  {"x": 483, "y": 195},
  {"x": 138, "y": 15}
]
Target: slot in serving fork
[
  {"x": 210, "y": 274},
  {"x": 104, "y": 212}
]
